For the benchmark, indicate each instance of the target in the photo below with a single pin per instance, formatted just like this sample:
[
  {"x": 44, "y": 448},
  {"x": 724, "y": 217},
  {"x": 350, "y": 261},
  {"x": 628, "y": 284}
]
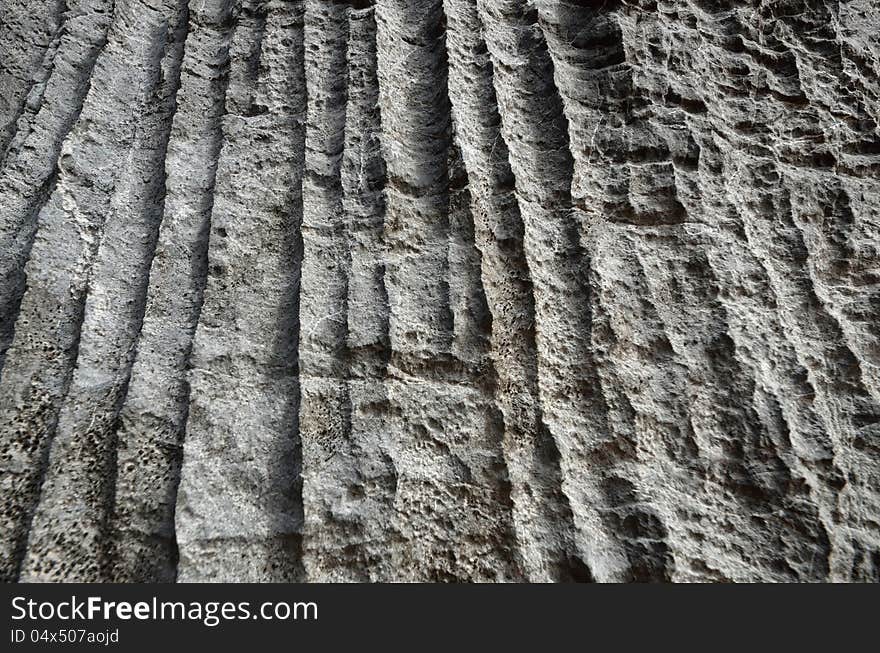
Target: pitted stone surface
[{"x": 440, "y": 290}]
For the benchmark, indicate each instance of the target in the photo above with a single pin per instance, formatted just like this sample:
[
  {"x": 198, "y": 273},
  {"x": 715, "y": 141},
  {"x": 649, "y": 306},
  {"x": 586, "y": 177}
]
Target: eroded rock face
[{"x": 495, "y": 290}]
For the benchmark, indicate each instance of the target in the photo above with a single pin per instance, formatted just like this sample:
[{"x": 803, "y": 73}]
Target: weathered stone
[{"x": 440, "y": 290}]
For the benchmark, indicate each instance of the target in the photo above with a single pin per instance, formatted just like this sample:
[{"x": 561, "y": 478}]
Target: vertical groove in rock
[
  {"x": 541, "y": 512},
  {"x": 83, "y": 458},
  {"x": 370, "y": 495},
  {"x": 239, "y": 505},
  {"x": 153, "y": 417},
  {"x": 46, "y": 344},
  {"x": 325, "y": 405},
  {"x": 452, "y": 504},
  {"x": 30, "y": 159},
  {"x": 26, "y": 37},
  {"x": 415, "y": 139},
  {"x": 574, "y": 409}
]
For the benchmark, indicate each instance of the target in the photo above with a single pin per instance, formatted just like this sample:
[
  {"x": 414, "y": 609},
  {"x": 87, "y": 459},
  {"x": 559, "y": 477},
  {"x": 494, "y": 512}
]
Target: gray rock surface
[{"x": 440, "y": 290}]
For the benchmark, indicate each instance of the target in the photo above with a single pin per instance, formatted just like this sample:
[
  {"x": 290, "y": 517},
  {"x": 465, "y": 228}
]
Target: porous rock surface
[{"x": 459, "y": 290}]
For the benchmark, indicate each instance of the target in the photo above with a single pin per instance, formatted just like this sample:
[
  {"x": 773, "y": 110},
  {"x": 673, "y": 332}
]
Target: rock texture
[{"x": 440, "y": 290}]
